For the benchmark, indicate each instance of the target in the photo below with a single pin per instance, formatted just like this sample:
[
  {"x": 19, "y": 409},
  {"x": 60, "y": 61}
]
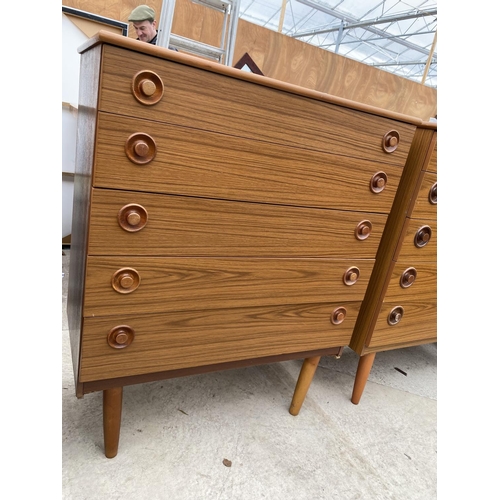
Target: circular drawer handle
[
  {"x": 363, "y": 230},
  {"x": 338, "y": 315},
  {"x": 390, "y": 141},
  {"x": 125, "y": 280},
  {"x": 378, "y": 182},
  {"x": 132, "y": 218},
  {"x": 140, "y": 148},
  {"x": 433, "y": 194},
  {"x": 351, "y": 276},
  {"x": 395, "y": 316},
  {"x": 422, "y": 236},
  {"x": 121, "y": 336},
  {"x": 147, "y": 87},
  {"x": 408, "y": 277}
]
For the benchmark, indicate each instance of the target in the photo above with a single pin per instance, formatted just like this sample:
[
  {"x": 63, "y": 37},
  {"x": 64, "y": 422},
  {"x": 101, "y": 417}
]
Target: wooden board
[
  {"x": 210, "y": 101},
  {"x": 206, "y": 164},
  {"x": 180, "y": 284},
  {"x": 196, "y": 338},
  {"x": 192, "y": 227}
]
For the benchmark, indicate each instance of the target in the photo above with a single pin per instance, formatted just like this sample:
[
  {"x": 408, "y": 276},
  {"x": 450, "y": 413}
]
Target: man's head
[{"x": 143, "y": 20}]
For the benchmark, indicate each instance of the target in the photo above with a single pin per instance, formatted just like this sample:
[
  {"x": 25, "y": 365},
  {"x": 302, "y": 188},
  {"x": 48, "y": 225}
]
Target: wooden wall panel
[
  {"x": 287, "y": 59},
  {"x": 293, "y": 61}
]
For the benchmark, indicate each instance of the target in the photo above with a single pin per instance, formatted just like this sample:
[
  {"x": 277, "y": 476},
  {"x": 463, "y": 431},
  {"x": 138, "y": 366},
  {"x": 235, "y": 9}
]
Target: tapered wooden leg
[
  {"x": 112, "y": 416},
  {"x": 364, "y": 367},
  {"x": 304, "y": 381}
]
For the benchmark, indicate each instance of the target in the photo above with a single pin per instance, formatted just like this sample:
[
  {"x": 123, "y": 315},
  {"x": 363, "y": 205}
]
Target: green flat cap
[{"x": 142, "y": 13}]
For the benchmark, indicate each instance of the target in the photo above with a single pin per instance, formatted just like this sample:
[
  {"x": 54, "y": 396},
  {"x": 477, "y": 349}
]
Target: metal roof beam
[
  {"x": 362, "y": 24},
  {"x": 350, "y": 22},
  {"x": 406, "y": 63}
]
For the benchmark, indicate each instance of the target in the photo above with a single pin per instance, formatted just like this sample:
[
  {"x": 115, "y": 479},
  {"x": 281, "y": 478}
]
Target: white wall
[{"x": 72, "y": 38}]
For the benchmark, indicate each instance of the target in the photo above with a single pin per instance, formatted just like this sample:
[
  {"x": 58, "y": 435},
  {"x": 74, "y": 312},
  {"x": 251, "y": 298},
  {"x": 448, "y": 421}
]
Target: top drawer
[{"x": 206, "y": 100}]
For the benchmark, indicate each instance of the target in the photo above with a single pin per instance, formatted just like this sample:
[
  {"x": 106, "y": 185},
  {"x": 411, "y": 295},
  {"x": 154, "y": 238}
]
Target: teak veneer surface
[
  {"x": 192, "y": 227},
  {"x": 178, "y": 284},
  {"x": 398, "y": 244},
  {"x": 432, "y": 166},
  {"x": 417, "y": 327},
  {"x": 199, "y": 163},
  {"x": 188, "y": 339},
  {"x": 423, "y": 288},
  {"x": 423, "y": 209},
  {"x": 411, "y": 253},
  {"x": 208, "y": 100}
]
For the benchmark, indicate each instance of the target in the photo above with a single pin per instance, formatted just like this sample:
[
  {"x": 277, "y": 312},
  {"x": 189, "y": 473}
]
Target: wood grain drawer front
[
  {"x": 432, "y": 167},
  {"x": 410, "y": 252},
  {"x": 192, "y": 227},
  {"x": 423, "y": 287},
  {"x": 417, "y": 326},
  {"x": 426, "y": 205},
  {"x": 197, "y": 338},
  {"x": 210, "y": 101},
  {"x": 192, "y": 162},
  {"x": 181, "y": 284}
]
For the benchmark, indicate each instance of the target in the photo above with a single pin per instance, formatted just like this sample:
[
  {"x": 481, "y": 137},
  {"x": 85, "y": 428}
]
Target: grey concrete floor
[{"x": 176, "y": 433}]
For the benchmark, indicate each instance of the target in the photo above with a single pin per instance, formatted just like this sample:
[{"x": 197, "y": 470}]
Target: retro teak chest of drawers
[{"x": 221, "y": 218}]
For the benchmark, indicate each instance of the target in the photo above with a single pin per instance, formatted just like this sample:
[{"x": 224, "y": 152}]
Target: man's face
[{"x": 146, "y": 30}]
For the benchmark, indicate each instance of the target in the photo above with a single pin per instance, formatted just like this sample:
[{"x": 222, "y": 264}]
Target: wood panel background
[{"x": 287, "y": 59}]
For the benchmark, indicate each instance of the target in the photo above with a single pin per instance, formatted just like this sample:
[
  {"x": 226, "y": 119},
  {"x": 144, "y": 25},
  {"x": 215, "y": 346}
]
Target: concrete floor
[{"x": 176, "y": 433}]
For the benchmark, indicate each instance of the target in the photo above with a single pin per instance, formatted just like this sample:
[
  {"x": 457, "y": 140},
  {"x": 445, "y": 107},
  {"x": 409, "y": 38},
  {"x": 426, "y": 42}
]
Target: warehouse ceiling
[{"x": 392, "y": 35}]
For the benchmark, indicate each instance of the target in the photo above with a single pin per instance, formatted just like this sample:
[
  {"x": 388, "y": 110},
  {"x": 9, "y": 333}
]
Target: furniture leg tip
[{"x": 111, "y": 454}]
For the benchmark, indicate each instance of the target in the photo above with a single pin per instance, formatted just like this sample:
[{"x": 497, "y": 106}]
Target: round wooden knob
[
  {"x": 390, "y": 141},
  {"x": 147, "y": 87},
  {"x": 395, "y": 316},
  {"x": 140, "y": 148},
  {"x": 132, "y": 217},
  {"x": 125, "y": 280},
  {"x": 433, "y": 194},
  {"x": 422, "y": 236},
  {"x": 378, "y": 182},
  {"x": 408, "y": 277},
  {"x": 121, "y": 336},
  {"x": 363, "y": 230},
  {"x": 338, "y": 315},
  {"x": 351, "y": 276}
]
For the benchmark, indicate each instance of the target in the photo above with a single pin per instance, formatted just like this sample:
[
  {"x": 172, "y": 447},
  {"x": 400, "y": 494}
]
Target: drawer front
[
  {"x": 416, "y": 231},
  {"x": 117, "y": 286},
  {"x": 198, "y": 338},
  {"x": 432, "y": 167},
  {"x": 179, "y": 160},
  {"x": 192, "y": 227},
  {"x": 417, "y": 326},
  {"x": 209, "y": 101},
  {"x": 426, "y": 203},
  {"x": 412, "y": 282}
]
